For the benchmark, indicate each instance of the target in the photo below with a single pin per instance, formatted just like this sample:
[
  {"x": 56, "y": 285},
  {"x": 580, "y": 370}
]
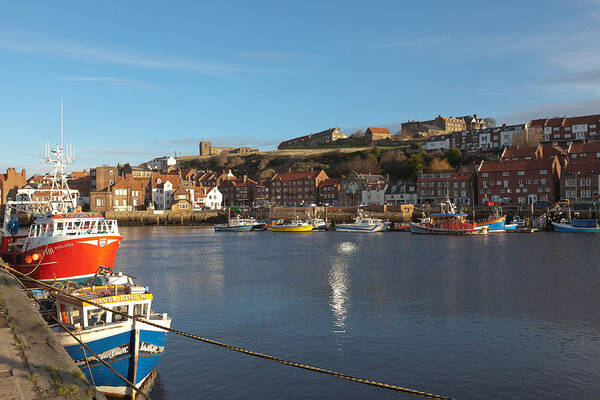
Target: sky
[{"x": 143, "y": 79}]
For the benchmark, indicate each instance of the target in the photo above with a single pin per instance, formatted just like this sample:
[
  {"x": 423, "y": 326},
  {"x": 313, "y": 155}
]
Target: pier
[{"x": 33, "y": 365}]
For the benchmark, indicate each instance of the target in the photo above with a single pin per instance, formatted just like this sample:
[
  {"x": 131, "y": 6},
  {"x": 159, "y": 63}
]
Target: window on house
[
  {"x": 543, "y": 171},
  {"x": 506, "y": 173},
  {"x": 521, "y": 173},
  {"x": 98, "y": 202}
]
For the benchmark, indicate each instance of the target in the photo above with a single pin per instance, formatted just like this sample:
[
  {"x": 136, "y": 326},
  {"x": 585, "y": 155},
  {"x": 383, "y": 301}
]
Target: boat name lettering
[
  {"x": 151, "y": 348},
  {"x": 123, "y": 297},
  {"x": 107, "y": 355},
  {"x": 62, "y": 246}
]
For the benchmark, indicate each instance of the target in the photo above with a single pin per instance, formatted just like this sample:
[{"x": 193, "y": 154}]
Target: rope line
[
  {"x": 245, "y": 351},
  {"x": 84, "y": 346}
]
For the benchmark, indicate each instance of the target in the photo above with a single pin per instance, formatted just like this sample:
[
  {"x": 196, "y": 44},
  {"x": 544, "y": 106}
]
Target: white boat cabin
[
  {"x": 76, "y": 224},
  {"x": 133, "y": 300}
]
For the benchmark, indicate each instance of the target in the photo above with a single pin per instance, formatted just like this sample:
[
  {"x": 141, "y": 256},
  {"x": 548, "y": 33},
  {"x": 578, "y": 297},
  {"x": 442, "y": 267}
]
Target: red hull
[{"x": 73, "y": 259}]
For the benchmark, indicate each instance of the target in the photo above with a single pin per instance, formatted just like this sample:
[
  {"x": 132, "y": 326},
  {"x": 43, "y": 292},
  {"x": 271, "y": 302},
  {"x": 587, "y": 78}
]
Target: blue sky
[{"x": 145, "y": 79}]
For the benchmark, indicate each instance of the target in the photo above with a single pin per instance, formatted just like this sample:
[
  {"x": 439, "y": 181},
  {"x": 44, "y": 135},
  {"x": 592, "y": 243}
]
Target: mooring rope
[{"x": 242, "y": 350}]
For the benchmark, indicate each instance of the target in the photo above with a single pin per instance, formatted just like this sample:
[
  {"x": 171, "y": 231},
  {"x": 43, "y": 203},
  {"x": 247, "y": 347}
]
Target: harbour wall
[{"x": 33, "y": 364}]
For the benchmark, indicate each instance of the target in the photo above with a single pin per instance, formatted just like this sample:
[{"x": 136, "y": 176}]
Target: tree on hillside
[
  {"x": 220, "y": 161},
  {"x": 266, "y": 173},
  {"x": 262, "y": 164},
  {"x": 234, "y": 162},
  {"x": 454, "y": 157},
  {"x": 367, "y": 165},
  {"x": 417, "y": 163},
  {"x": 393, "y": 162},
  {"x": 439, "y": 165}
]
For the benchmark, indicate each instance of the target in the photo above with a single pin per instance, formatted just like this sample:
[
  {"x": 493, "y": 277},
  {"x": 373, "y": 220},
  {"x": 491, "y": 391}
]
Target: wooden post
[{"x": 136, "y": 352}]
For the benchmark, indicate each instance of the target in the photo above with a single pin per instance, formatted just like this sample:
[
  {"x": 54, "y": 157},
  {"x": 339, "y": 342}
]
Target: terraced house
[
  {"x": 458, "y": 186},
  {"x": 580, "y": 179},
  {"x": 567, "y": 130},
  {"x": 297, "y": 188},
  {"x": 519, "y": 182}
]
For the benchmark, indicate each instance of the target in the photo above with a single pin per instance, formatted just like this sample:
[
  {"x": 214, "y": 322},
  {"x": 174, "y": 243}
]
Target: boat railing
[{"x": 75, "y": 227}]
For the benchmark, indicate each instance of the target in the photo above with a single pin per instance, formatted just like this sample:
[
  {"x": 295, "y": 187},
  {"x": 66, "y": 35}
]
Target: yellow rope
[{"x": 250, "y": 352}]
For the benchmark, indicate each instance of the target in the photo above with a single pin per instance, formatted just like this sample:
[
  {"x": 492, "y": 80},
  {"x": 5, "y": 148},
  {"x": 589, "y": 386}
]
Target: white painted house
[
  {"x": 162, "y": 195},
  {"x": 208, "y": 197},
  {"x": 374, "y": 194}
]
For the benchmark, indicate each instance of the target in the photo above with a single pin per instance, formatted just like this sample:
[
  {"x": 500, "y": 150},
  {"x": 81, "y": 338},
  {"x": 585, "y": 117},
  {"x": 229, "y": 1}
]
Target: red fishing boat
[
  {"x": 448, "y": 223},
  {"x": 63, "y": 247},
  {"x": 61, "y": 244}
]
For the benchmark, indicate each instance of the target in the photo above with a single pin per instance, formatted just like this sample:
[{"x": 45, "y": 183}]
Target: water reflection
[{"x": 339, "y": 282}]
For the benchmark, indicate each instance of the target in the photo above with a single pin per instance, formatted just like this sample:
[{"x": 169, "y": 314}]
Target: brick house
[
  {"x": 580, "y": 181},
  {"x": 456, "y": 185},
  {"x": 297, "y": 188},
  {"x": 519, "y": 182},
  {"x": 546, "y": 150},
  {"x": 330, "y": 189},
  {"x": 103, "y": 177},
  {"x": 567, "y": 130},
  {"x": 238, "y": 192},
  {"x": 210, "y": 178},
  {"x": 580, "y": 178},
  {"x": 125, "y": 195},
  {"x": 262, "y": 192},
  {"x": 129, "y": 195},
  {"x": 10, "y": 182}
]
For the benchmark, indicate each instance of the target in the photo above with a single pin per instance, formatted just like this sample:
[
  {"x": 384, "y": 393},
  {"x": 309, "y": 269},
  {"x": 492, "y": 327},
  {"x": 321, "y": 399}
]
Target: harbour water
[{"x": 508, "y": 316}]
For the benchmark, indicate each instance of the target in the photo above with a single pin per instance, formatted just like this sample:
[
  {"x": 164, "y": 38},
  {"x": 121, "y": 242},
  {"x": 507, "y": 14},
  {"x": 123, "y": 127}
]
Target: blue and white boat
[
  {"x": 494, "y": 224},
  {"x": 577, "y": 225},
  {"x": 363, "y": 224},
  {"x": 319, "y": 224},
  {"x": 238, "y": 224},
  {"x": 131, "y": 347},
  {"x": 518, "y": 221}
]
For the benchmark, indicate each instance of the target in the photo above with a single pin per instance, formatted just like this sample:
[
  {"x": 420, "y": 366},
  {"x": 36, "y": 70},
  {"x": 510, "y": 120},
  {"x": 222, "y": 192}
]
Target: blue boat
[
  {"x": 132, "y": 348},
  {"x": 494, "y": 224},
  {"x": 577, "y": 225}
]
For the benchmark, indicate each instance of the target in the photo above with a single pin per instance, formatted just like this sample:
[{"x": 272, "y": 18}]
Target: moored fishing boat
[
  {"x": 495, "y": 224},
  {"x": 318, "y": 224},
  {"x": 447, "y": 224},
  {"x": 363, "y": 223},
  {"x": 577, "y": 225},
  {"x": 64, "y": 247},
  {"x": 239, "y": 224},
  {"x": 518, "y": 221},
  {"x": 295, "y": 225},
  {"x": 62, "y": 244},
  {"x": 132, "y": 348},
  {"x": 400, "y": 227}
]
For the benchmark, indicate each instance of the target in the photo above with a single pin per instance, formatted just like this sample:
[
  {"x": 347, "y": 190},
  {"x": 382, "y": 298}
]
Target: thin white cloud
[
  {"x": 34, "y": 44},
  {"x": 267, "y": 55},
  {"x": 106, "y": 80}
]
